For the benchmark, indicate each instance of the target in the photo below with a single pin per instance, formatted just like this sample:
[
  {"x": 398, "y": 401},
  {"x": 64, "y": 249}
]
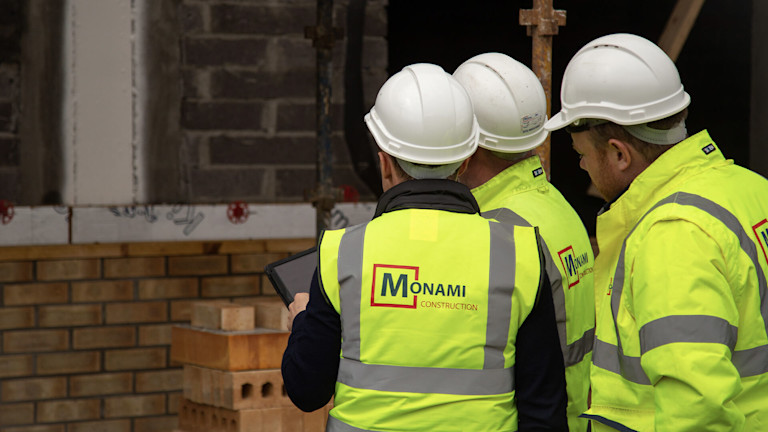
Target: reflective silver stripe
[
  {"x": 505, "y": 215},
  {"x": 501, "y": 278},
  {"x": 336, "y": 425},
  {"x": 572, "y": 353},
  {"x": 474, "y": 382},
  {"x": 748, "y": 362},
  {"x": 558, "y": 299},
  {"x": 751, "y": 362},
  {"x": 607, "y": 356},
  {"x": 687, "y": 328},
  {"x": 576, "y": 351},
  {"x": 350, "y": 268}
]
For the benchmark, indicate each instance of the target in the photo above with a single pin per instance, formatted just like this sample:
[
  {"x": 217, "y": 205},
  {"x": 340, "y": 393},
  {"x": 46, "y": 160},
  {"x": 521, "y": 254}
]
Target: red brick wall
[{"x": 85, "y": 329}]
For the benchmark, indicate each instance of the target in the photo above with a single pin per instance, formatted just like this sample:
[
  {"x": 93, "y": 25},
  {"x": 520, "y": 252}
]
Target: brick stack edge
[
  {"x": 232, "y": 380},
  {"x": 85, "y": 330}
]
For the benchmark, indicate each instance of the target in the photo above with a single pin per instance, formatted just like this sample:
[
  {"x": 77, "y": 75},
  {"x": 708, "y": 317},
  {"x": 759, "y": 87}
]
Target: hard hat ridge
[
  {"x": 509, "y": 102},
  {"x": 622, "y": 78},
  {"x": 423, "y": 115}
]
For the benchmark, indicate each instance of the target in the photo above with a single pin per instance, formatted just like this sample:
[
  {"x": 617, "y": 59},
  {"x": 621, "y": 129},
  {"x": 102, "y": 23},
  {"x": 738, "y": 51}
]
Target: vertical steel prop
[
  {"x": 323, "y": 36},
  {"x": 543, "y": 22}
]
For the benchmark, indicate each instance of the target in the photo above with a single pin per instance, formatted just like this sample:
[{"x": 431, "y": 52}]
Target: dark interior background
[{"x": 714, "y": 64}]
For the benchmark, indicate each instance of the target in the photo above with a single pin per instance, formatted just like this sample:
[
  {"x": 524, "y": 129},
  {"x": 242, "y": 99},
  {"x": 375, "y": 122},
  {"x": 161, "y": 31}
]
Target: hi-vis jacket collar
[
  {"x": 524, "y": 175},
  {"x": 436, "y": 194},
  {"x": 700, "y": 151}
]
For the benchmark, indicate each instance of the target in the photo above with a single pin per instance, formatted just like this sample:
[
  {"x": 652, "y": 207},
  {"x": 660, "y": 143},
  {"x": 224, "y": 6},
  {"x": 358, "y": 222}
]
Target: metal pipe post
[
  {"x": 543, "y": 22},
  {"x": 323, "y": 36}
]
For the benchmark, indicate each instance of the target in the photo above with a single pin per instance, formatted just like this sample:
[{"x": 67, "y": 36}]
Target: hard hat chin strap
[
  {"x": 658, "y": 136},
  {"x": 418, "y": 171}
]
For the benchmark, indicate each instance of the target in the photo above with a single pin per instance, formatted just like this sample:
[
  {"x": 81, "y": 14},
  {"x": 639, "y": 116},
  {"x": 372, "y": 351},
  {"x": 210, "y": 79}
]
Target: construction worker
[
  {"x": 429, "y": 317},
  {"x": 681, "y": 335},
  {"x": 505, "y": 173}
]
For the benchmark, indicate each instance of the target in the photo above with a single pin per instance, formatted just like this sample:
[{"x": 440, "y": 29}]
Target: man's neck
[{"x": 484, "y": 166}]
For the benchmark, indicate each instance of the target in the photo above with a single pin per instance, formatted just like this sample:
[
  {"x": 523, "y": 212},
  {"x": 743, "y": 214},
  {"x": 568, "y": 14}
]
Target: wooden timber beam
[{"x": 679, "y": 26}]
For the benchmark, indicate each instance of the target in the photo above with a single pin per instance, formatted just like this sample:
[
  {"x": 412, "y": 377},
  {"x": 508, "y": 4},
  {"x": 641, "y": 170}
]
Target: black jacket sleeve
[
  {"x": 539, "y": 369},
  {"x": 311, "y": 359}
]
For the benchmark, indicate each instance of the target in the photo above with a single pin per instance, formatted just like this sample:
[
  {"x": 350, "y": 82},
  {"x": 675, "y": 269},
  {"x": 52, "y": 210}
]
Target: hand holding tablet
[{"x": 292, "y": 275}]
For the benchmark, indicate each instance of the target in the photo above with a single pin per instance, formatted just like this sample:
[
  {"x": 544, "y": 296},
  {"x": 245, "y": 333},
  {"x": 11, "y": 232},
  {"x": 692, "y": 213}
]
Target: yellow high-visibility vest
[
  {"x": 529, "y": 199},
  {"x": 430, "y": 304},
  {"x": 682, "y": 332}
]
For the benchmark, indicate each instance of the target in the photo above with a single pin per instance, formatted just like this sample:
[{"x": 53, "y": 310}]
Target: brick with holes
[
  {"x": 235, "y": 390},
  {"x": 194, "y": 417}
]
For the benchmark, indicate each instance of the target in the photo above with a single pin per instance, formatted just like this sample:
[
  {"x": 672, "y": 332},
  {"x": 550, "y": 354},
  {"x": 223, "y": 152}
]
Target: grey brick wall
[
  {"x": 231, "y": 114},
  {"x": 248, "y": 101}
]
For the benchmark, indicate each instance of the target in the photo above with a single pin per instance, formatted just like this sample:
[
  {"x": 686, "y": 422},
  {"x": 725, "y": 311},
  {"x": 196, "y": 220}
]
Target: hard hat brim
[{"x": 558, "y": 121}]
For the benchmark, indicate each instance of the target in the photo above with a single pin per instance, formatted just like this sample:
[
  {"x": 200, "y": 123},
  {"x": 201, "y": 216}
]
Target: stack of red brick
[{"x": 231, "y": 355}]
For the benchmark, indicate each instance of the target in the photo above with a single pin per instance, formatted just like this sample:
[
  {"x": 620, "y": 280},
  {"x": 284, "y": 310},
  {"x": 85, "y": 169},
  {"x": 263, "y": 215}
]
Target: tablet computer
[{"x": 293, "y": 274}]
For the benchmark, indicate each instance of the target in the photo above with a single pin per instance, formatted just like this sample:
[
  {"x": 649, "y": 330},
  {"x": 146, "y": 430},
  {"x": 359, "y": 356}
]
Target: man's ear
[
  {"x": 387, "y": 171},
  {"x": 621, "y": 154},
  {"x": 463, "y": 167}
]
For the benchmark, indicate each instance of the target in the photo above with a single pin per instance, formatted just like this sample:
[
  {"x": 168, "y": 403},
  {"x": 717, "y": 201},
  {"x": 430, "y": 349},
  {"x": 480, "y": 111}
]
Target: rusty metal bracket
[
  {"x": 547, "y": 20},
  {"x": 321, "y": 37},
  {"x": 324, "y": 202}
]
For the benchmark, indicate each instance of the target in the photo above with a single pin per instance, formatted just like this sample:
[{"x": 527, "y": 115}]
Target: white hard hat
[
  {"x": 423, "y": 115},
  {"x": 509, "y": 102},
  {"x": 622, "y": 78}
]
